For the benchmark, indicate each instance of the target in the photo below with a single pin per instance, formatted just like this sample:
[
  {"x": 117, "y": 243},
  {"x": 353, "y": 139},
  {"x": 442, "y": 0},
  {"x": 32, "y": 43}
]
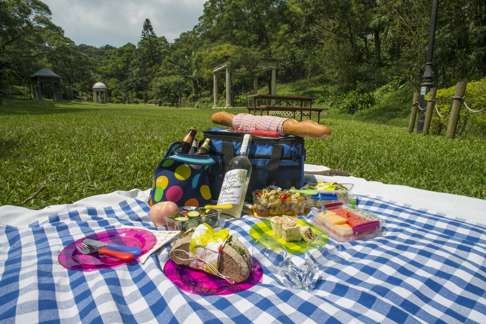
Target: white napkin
[{"x": 163, "y": 237}]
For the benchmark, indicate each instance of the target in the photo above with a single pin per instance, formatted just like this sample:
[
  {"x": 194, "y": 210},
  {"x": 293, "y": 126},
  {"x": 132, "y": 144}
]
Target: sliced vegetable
[{"x": 193, "y": 213}]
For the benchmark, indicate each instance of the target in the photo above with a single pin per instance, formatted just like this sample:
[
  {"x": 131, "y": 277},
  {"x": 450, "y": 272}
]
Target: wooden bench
[{"x": 289, "y": 105}]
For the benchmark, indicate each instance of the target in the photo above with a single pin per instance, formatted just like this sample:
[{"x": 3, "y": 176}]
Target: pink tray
[
  {"x": 70, "y": 258},
  {"x": 202, "y": 283}
]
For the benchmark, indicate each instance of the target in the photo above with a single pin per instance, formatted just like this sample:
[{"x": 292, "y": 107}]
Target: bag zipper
[
  {"x": 261, "y": 157},
  {"x": 239, "y": 136}
]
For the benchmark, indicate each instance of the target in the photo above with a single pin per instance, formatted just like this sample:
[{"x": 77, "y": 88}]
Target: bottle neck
[
  {"x": 190, "y": 136},
  {"x": 204, "y": 147},
  {"x": 245, "y": 145},
  {"x": 205, "y": 144}
]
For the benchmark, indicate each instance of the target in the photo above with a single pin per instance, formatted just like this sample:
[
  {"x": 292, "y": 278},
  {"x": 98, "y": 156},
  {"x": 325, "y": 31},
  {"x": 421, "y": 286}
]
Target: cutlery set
[{"x": 119, "y": 251}]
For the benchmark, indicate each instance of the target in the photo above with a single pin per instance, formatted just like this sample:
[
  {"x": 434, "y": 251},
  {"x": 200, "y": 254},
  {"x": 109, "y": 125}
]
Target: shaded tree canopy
[{"x": 351, "y": 45}]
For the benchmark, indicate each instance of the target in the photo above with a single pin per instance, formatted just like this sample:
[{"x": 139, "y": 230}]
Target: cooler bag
[
  {"x": 275, "y": 161},
  {"x": 182, "y": 178}
]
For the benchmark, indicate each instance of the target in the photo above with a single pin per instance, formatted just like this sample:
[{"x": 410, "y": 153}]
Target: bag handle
[
  {"x": 193, "y": 159},
  {"x": 172, "y": 154},
  {"x": 173, "y": 149}
]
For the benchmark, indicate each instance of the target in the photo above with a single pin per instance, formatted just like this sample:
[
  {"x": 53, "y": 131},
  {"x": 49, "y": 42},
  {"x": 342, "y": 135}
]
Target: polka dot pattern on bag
[{"x": 182, "y": 183}]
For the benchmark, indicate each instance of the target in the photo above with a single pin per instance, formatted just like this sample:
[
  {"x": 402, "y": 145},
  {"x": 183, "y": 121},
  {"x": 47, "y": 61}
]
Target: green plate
[
  {"x": 306, "y": 192},
  {"x": 262, "y": 233}
]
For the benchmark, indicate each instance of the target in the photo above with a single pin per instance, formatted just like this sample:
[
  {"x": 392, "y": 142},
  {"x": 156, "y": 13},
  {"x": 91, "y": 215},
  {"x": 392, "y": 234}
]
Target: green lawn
[{"x": 68, "y": 151}]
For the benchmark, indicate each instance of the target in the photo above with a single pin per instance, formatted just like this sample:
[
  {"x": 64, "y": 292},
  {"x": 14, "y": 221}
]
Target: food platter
[{"x": 263, "y": 234}]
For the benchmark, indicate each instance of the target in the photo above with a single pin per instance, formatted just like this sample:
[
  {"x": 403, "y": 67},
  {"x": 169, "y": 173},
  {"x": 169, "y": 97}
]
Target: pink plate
[
  {"x": 202, "y": 283},
  {"x": 71, "y": 258}
]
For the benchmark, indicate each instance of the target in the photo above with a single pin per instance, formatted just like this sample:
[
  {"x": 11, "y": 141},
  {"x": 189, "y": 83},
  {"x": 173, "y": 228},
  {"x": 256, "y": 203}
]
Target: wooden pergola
[{"x": 227, "y": 68}]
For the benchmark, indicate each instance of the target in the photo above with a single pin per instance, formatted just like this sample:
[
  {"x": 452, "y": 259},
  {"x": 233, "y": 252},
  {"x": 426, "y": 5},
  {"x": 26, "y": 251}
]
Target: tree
[
  {"x": 147, "y": 30},
  {"x": 183, "y": 59},
  {"x": 150, "y": 52},
  {"x": 245, "y": 23},
  {"x": 21, "y": 44},
  {"x": 67, "y": 60},
  {"x": 117, "y": 68},
  {"x": 353, "y": 46},
  {"x": 170, "y": 89}
]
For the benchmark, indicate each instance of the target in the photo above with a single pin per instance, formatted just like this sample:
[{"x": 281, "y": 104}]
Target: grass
[{"x": 60, "y": 153}]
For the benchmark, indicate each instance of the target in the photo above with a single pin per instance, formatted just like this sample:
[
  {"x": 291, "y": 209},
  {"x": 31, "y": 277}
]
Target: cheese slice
[
  {"x": 342, "y": 230},
  {"x": 291, "y": 233},
  {"x": 336, "y": 219}
]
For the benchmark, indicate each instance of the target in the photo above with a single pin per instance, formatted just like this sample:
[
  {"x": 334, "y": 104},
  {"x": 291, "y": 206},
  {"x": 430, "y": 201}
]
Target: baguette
[{"x": 290, "y": 126}]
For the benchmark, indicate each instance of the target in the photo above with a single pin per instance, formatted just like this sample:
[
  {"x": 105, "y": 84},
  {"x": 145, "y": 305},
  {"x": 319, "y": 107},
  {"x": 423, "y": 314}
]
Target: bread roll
[{"x": 234, "y": 262}]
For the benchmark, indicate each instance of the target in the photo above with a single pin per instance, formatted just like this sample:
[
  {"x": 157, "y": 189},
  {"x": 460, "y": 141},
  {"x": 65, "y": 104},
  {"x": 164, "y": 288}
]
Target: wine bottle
[
  {"x": 204, "y": 148},
  {"x": 236, "y": 180},
  {"x": 187, "y": 141}
]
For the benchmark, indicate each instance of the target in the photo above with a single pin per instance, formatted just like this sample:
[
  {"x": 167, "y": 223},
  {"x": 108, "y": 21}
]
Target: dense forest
[{"x": 351, "y": 46}]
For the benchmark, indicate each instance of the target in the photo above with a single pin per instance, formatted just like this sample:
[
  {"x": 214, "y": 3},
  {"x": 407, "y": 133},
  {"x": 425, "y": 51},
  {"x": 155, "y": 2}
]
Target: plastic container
[
  {"x": 274, "y": 201},
  {"x": 177, "y": 223},
  {"x": 211, "y": 217},
  {"x": 327, "y": 193},
  {"x": 323, "y": 199},
  {"x": 344, "y": 224},
  {"x": 190, "y": 217}
]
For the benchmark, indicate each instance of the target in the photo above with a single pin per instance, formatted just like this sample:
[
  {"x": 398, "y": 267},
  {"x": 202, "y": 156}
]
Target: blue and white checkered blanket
[{"x": 423, "y": 268}]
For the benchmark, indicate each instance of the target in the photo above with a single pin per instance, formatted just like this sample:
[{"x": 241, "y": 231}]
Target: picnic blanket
[{"x": 423, "y": 268}]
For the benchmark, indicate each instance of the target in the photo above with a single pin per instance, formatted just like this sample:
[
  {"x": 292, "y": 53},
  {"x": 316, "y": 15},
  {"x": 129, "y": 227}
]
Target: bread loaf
[
  {"x": 233, "y": 260},
  {"x": 304, "y": 128}
]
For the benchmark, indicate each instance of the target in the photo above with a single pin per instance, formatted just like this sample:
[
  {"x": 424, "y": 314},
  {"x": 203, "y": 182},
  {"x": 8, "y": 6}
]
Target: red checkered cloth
[{"x": 259, "y": 125}]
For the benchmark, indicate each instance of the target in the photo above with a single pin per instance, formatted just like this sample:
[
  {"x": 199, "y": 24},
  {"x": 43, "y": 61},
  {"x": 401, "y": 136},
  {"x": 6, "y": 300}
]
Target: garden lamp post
[{"x": 427, "y": 81}]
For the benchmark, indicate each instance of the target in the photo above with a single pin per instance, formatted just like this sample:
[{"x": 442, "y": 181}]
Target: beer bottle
[
  {"x": 187, "y": 141},
  {"x": 204, "y": 148}
]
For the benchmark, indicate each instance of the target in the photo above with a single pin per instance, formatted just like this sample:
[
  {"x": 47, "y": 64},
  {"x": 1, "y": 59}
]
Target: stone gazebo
[
  {"x": 100, "y": 92},
  {"x": 45, "y": 83}
]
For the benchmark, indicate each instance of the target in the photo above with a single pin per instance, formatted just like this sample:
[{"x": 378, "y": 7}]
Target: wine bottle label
[{"x": 233, "y": 187}]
